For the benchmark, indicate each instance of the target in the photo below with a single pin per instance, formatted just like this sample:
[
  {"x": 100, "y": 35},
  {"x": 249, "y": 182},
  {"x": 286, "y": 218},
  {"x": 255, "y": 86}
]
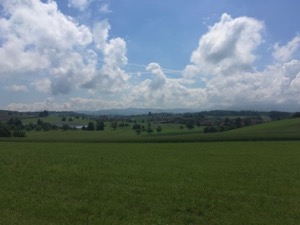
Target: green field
[
  {"x": 282, "y": 130},
  {"x": 137, "y": 183},
  {"x": 244, "y": 176}
]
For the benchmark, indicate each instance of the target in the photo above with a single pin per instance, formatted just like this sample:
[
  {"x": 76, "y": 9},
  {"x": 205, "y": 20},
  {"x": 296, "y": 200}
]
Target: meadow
[
  {"x": 281, "y": 130},
  {"x": 155, "y": 183}
]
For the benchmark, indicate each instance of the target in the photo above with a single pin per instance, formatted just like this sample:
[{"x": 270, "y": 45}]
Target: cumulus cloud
[
  {"x": 224, "y": 61},
  {"x": 48, "y": 104},
  {"x": 104, "y": 8},
  {"x": 275, "y": 85},
  {"x": 56, "y": 55},
  {"x": 42, "y": 40},
  {"x": 227, "y": 48},
  {"x": 163, "y": 92},
  {"x": 73, "y": 104},
  {"x": 42, "y": 85},
  {"x": 79, "y": 4},
  {"x": 111, "y": 77},
  {"x": 159, "y": 77},
  {"x": 285, "y": 53},
  {"x": 66, "y": 55},
  {"x": 17, "y": 88}
]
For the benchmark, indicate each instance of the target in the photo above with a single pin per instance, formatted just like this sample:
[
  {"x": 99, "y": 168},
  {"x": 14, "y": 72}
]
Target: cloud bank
[{"x": 49, "y": 53}]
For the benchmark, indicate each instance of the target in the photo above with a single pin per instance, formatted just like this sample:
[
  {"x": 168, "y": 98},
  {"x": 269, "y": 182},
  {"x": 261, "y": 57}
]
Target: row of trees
[
  {"x": 138, "y": 128},
  {"x": 230, "y": 124},
  {"x": 100, "y": 125}
]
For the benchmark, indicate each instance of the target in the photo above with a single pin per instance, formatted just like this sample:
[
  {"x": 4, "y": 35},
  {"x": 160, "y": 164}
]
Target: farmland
[
  {"x": 248, "y": 175},
  {"x": 288, "y": 129},
  {"x": 137, "y": 183}
]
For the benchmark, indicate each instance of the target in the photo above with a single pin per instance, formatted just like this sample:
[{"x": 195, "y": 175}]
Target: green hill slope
[
  {"x": 288, "y": 129},
  {"x": 281, "y": 130}
]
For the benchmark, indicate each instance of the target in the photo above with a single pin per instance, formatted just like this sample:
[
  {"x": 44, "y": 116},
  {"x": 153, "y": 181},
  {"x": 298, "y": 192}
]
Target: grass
[
  {"x": 57, "y": 120},
  {"x": 283, "y": 130},
  {"x": 135, "y": 183}
]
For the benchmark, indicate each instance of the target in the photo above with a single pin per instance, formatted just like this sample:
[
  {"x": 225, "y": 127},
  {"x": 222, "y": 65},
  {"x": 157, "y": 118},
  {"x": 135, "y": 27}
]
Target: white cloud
[
  {"x": 100, "y": 34},
  {"x": 160, "y": 77},
  {"x": 104, "y": 8},
  {"x": 114, "y": 50},
  {"x": 224, "y": 62},
  {"x": 79, "y": 4},
  {"x": 72, "y": 104},
  {"x": 162, "y": 92},
  {"x": 285, "y": 53},
  {"x": 228, "y": 47},
  {"x": 37, "y": 36},
  {"x": 277, "y": 84},
  {"x": 49, "y": 44},
  {"x": 48, "y": 104},
  {"x": 111, "y": 77},
  {"x": 17, "y": 88},
  {"x": 42, "y": 85},
  {"x": 55, "y": 55}
]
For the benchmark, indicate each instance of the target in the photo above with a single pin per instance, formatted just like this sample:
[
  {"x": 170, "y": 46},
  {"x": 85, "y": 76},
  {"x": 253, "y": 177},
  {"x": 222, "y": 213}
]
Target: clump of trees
[
  {"x": 230, "y": 124},
  {"x": 44, "y": 113},
  {"x": 137, "y": 128},
  {"x": 296, "y": 115},
  {"x": 100, "y": 125},
  {"x": 4, "y": 130},
  {"x": 12, "y": 128}
]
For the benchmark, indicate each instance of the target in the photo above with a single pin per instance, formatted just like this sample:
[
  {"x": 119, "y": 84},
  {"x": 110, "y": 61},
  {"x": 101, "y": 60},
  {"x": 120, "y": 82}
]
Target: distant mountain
[{"x": 136, "y": 111}]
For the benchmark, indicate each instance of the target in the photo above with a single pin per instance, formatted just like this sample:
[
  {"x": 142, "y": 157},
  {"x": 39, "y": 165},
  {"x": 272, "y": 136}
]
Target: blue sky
[{"x": 206, "y": 54}]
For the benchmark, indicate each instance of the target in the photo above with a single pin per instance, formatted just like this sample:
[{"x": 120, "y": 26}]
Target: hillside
[{"x": 288, "y": 129}]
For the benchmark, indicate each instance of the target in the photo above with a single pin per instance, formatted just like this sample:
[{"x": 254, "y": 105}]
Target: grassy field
[
  {"x": 57, "y": 120},
  {"x": 236, "y": 183},
  {"x": 282, "y": 130}
]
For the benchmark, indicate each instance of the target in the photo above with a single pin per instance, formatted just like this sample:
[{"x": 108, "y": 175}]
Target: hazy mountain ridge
[{"x": 137, "y": 111}]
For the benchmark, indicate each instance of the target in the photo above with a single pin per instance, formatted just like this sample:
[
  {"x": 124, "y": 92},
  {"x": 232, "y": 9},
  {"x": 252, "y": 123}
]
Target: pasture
[
  {"x": 281, "y": 130},
  {"x": 208, "y": 183}
]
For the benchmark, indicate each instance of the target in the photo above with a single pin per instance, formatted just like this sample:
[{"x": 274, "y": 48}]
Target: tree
[
  {"x": 190, "y": 125},
  {"x": 100, "y": 125},
  {"x": 63, "y": 119},
  {"x": 138, "y": 131},
  {"x": 296, "y": 115},
  {"x": 159, "y": 129},
  {"x": 39, "y": 122},
  {"x": 45, "y": 113},
  {"x": 66, "y": 127},
  {"x": 4, "y": 130},
  {"x": 238, "y": 122},
  {"x": 149, "y": 129},
  {"x": 15, "y": 123},
  {"x": 90, "y": 126},
  {"x": 114, "y": 124},
  {"x": 137, "y": 128}
]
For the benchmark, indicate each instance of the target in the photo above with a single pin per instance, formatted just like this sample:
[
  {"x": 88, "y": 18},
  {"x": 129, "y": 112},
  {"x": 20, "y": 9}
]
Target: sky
[{"x": 70, "y": 55}]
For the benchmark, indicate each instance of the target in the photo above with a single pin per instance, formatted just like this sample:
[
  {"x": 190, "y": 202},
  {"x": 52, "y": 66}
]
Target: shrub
[{"x": 4, "y": 131}]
